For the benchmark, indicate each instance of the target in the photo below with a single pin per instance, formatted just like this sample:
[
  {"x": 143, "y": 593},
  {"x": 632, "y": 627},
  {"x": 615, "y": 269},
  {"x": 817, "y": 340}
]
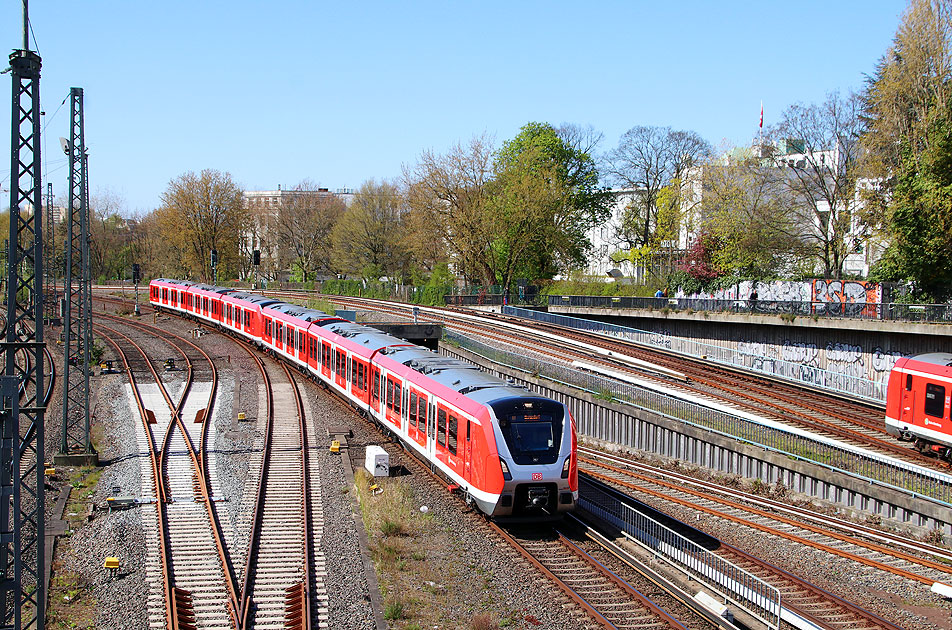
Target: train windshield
[
  {"x": 532, "y": 435},
  {"x": 532, "y": 428}
]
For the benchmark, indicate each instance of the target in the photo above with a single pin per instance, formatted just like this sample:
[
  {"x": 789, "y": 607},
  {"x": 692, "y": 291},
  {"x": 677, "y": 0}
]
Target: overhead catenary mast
[
  {"x": 22, "y": 526},
  {"x": 76, "y": 447}
]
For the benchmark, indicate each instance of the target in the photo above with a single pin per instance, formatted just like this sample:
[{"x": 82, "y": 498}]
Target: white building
[
  {"x": 607, "y": 238},
  {"x": 863, "y": 249},
  {"x": 265, "y": 205}
]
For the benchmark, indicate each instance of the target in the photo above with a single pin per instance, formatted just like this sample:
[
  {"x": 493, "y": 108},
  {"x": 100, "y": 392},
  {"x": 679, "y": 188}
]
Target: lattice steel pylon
[
  {"x": 76, "y": 446},
  {"x": 22, "y": 535}
]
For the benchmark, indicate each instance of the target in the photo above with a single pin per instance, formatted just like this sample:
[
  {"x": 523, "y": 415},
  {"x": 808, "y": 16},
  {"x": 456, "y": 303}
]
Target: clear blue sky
[{"x": 341, "y": 92}]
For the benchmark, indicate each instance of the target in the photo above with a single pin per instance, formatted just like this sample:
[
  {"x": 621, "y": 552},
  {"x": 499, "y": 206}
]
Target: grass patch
[
  {"x": 83, "y": 480},
  {"x": 322, "y": 305},
  {"x": 71, "y": 602},
  {"x": 394, "y": 609}
]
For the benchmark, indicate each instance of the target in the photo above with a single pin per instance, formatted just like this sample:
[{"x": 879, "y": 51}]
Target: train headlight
[
  {"x": 566, "y": 467},
  {"x": 505, "y": 470}
]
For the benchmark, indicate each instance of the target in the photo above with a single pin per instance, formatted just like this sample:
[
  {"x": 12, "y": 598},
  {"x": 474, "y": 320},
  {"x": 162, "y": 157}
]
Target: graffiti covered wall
[{"x": 817, "y": 352}]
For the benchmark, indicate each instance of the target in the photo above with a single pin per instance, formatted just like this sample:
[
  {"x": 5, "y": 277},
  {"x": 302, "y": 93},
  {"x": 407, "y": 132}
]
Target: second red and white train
[{"x": 511, "y": 452}]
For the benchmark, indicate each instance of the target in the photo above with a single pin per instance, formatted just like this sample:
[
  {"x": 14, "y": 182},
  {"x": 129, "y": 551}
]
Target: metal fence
[
  {"x": 731, "y": 582},
  {"x": 938, "y": 313},
  {"x": 835, "y": 456},
  {"x": 807, "y": 374}
]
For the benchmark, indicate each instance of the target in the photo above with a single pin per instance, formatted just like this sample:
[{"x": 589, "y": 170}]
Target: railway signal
[{"x": 136, "y": 276}]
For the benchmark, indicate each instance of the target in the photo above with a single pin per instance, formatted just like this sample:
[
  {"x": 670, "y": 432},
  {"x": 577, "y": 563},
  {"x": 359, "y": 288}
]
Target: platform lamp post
[{"x": 136, "y": 276}]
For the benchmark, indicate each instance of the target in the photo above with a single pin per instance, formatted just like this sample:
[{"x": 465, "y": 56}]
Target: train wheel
[{"x": 922, "y": 446}]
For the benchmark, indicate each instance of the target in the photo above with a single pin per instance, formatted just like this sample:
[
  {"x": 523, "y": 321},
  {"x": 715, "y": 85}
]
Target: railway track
[
  {"x": 831, "y": 416},
  {"x": 799, "y": 597},
  {"x": 812, "y": 524},
  {"x": 282, "y": 578},
  {"x": 190, "y": 563},
  {"x": 283, "y": 571},
  {"x": 608, "y": 599}
]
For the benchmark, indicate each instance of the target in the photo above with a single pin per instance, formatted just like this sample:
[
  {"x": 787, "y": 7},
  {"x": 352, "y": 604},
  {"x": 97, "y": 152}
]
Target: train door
[
  {"x": 340, "y": 368},
  {"x": 326, "y": 360},
  {"x": 431, "y": 430},
  {"x": 467, "y": 449},
  {"x": 375, "y": 388},
  {"x": 907, "y": 409},
  {"x": 394, "y": 400},
  {"x": 267, "y": 329}
]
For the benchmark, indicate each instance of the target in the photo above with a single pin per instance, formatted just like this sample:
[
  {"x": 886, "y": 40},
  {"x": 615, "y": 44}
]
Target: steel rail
[
  {"x": 244, "y": 609},
  {"x": 298, "y": 599},
  {"x": 620, "y": 583},
  {"x": 844, "y": 607}
]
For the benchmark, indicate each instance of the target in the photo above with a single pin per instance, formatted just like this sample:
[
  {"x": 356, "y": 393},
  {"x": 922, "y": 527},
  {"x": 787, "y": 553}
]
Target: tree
[
  {"x": 921, "y": 216},
  {"x": 110, "y": 241},
  {"x": 544, "y": 199},
  {"x": 742, "y": 210},
  {"x": 367, "y": 238},
  {"x": 912, "y": 82},
  {"x": 203, "y": 212},
  {"x": 907, "y": 111},
  {"x": 820, "y": 174},
  {"x": 303, "y": 226},
  {"x": 447, "y": 193},
  {"x": 648, "y": 159}
]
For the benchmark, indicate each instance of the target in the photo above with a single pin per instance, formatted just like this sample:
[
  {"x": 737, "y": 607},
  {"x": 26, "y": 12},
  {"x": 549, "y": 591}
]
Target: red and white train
[
  {"x": 917, "y": 402},
  {"x": 511, "y": 452}
]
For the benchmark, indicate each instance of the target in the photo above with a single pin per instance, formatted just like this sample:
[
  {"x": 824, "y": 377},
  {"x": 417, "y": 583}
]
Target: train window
[
  {"x": 389, "y": 394},
  {"x": 353, "y": 371},
  {"x": 361, "y": 376},
  {"x": 396, "y": 397},
  {"x": 376, "y": 393},
  {"x": 300, "y": 340},
  {"x": 935, "y": 400},
  {"x": 908, "y": 382},
  {"x": 423, "y": 411},
  {"x": 441, "y": 426},
  {"x": 413, "y": 409},
  {"x": 451, "y": 437}
]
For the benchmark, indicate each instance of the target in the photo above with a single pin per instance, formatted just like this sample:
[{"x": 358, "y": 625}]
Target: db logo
[{"x": 537, "y": 476}]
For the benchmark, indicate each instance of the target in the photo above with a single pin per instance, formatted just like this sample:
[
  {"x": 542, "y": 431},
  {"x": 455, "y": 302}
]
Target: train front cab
[
  {"x": 918, "y": 397},
  {"x": 536, "y": 444}
]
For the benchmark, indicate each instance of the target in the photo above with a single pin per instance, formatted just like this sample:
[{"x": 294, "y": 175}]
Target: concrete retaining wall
[{"x": 857, "y": 348}]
